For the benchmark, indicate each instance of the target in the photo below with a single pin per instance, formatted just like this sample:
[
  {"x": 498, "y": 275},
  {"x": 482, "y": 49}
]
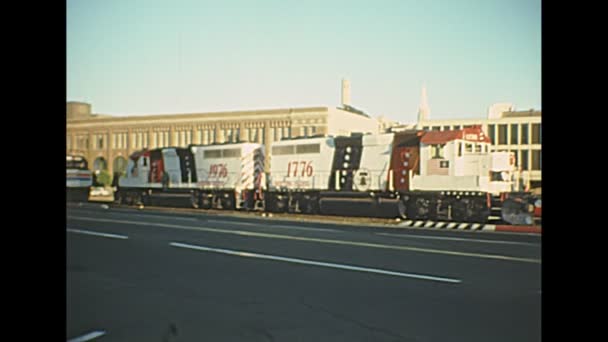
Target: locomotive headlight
[
  {"x": 348, "y": 149},
  {"x": 345, "y": 165},
  {"x": 347, "y": 157},
  {"x": 342, "y": 180},
  {"x": 343, "y": 172},
  {"x": 403, "y": 172}
]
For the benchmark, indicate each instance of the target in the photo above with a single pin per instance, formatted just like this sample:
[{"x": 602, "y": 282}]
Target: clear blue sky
[{"x": 131, "y": 57}]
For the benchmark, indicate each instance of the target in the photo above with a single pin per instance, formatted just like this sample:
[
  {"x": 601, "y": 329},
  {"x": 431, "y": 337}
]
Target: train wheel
[
  {"x": 227, "y": 204},
  {"x": 401, "y": 209},
  {"x": 146, "y": 198},
  {"x": 459, "y": 211},
  {"x": 195, "y": 199},
  {"x": 481, "y": 211},
  {"x": 118, "y": 198},
  {"x": 310, "y": 205},
  {"x": 206, "y": 202},
  {"x": 281, "y": 205}
]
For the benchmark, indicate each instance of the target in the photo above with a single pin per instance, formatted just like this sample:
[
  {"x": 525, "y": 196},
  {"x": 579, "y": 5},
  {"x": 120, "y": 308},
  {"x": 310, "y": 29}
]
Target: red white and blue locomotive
[{"x": 418, "y": 175}]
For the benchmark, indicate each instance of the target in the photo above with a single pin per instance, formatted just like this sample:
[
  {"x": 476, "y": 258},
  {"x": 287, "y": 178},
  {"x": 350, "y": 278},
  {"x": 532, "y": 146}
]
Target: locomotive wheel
[
  {"x": 118, "y": 198},
  {"x": 206, "y": 201},
  {"x": 195, "y": 199},
  {"x": 459, "y": 211},
  {"x": 401, "y": 209},
  {"x": 481, "y": 212},
  {"x": 146, "y": 199},
  {"x": 281, "y": 205},
  {"x": 310, "y": 205},
  {"x": 227, "y": 203}
]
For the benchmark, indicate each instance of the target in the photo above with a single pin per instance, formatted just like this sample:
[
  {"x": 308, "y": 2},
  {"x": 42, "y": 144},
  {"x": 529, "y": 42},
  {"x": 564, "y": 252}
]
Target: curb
[
  {"x": 439, "y": 225},
  {"x": 471, "y": 226}
]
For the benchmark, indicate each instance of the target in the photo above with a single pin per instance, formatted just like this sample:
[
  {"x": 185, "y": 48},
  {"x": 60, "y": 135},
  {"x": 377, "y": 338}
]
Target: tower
[
  {"x": 345, "y": 93},
  {"x": 424, "y": 112}
]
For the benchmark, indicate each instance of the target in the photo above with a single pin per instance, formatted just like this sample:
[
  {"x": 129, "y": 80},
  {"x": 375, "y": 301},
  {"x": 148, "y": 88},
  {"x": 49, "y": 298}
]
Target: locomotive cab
[{"x": 460, "y": 160}]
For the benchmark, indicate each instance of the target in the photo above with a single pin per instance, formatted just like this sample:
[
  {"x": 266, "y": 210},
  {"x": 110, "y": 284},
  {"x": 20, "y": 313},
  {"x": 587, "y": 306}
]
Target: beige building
[{"x": 107, "y": 141}]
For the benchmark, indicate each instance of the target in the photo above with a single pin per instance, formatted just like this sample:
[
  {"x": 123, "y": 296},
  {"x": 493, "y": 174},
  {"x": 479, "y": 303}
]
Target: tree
[{"x": 104, "y": 178}]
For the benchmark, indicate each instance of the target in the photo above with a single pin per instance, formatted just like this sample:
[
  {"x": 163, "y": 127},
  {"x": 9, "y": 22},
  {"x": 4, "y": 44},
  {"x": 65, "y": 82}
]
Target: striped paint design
[
  {"x": 470, "y": 226},
  {"x": 252, "y": 166}
]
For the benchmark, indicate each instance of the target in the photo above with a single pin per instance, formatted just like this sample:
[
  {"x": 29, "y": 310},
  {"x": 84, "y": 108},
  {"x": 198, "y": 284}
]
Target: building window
[
  {"x": 457, "y": 127},
  {"x": 492, "y": 133},
  {"x": 262, "y": 135},
  {"x": 253, "y": 135},
  {"x": 477, "y": 148},
  {"x": 468, "y": 126},
  {"x": 100, "y": 142},
  {"x": 279, "y": 134},
  {"x": 287, "y": 132},
  {"x": 514, "y": 134},
  {"x": 212, "y": 136},
  {"x": 313, "y": 130},
  {"x": 524, "y": 134},
  {"x": 502, "y": 134},
  {"x": 446, "y": 128},
  {"x": 436, "y": 128},
  {"x": 205, "y": 137},
  {"x": 426, "y": 128},
  {"x": 536, "y": 159},
  {"x": 237, "y": 134},
  {"x": 524, "y": 160},
  {"x": 306, "y": 131},
  {"x": 536, "y": 136}
]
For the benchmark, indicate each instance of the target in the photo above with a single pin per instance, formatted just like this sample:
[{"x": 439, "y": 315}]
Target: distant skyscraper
[{"x": 424, "y": 112}]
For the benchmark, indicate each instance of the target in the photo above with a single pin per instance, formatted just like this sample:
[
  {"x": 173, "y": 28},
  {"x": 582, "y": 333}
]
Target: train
[
  {"x": 79, "y": 179},
  {"x": 413, "y": 174}
]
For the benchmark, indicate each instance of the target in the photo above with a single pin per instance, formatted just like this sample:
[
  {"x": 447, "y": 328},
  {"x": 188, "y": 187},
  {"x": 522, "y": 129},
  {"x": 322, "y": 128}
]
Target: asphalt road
[{"x": 156, "y": 276}]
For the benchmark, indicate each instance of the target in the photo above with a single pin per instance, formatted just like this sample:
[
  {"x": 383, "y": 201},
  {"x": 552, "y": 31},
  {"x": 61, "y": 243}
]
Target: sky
[{"x": 136, "y": 57}]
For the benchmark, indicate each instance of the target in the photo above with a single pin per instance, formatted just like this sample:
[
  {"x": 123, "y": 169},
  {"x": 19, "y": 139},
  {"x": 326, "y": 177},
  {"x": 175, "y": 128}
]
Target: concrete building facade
[{"x": 107, "y": 141}]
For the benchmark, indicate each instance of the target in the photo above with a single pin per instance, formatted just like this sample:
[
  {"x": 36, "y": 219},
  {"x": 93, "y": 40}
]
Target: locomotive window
[
  {"x": 232, "y": 153},
  {"x": 213, "y": 154},
  {"x": 478, "y": 148},
  {"x": 437, "y": 151},
  {"x": 308, "y": 148},
  {"x": 282, "y": 150}
]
